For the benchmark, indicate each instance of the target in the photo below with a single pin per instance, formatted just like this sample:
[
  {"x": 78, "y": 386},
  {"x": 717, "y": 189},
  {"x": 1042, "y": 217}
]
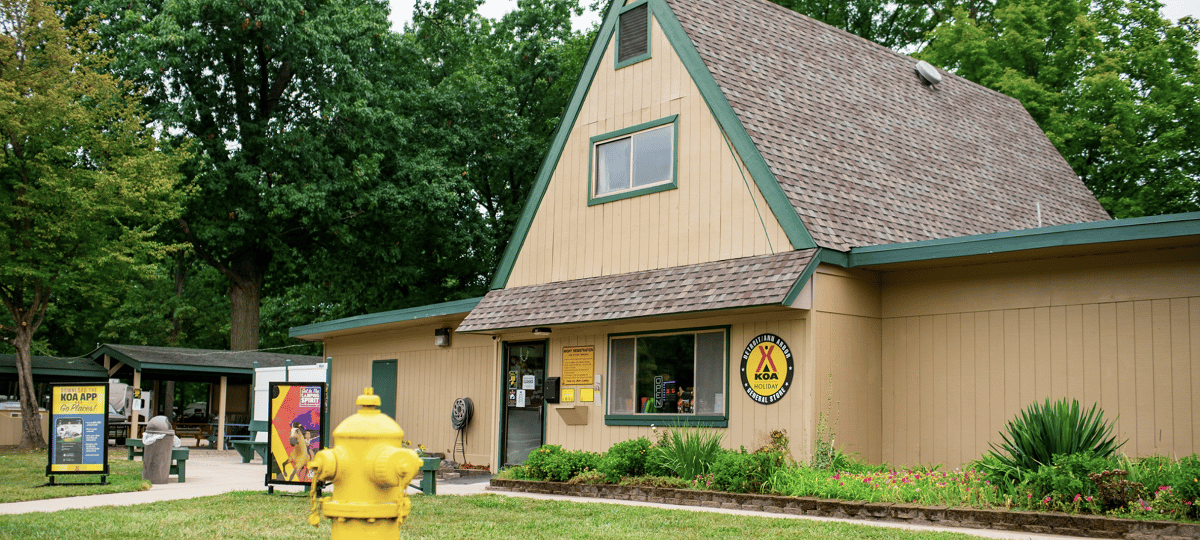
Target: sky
[{"x": 494, "y": 9}]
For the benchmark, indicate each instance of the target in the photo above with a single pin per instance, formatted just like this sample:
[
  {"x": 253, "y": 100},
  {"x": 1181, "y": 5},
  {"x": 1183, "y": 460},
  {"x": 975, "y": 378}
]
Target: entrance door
[
  {"x": 383, "y": 380},
  {"x": 524, "y": 384}
]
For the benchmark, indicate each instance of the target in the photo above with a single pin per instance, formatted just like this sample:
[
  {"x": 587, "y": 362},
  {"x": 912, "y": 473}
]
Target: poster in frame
[
  {"x": 295, "y": 422},
  {"x": 78, "y": 431}
]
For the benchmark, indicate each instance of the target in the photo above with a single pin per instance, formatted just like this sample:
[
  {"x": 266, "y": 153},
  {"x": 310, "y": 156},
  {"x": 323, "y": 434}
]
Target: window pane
[
  {"x": 612, "y": 166},
  {"x": 652, "y": 156},
  {"x": 620, "y": 401},
  {"x": 664, "y": 365},
  {"x": 710, "y": 366}
]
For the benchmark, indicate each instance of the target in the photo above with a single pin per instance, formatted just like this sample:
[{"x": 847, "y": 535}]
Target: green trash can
[{"x": 429, "y": 471}]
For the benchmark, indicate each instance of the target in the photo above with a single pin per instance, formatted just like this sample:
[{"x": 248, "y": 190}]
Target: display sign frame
[
  {"x": 78, "y": 431},
  {"x": 296, "y": 412},
  {"x": 578, "y": 365}
]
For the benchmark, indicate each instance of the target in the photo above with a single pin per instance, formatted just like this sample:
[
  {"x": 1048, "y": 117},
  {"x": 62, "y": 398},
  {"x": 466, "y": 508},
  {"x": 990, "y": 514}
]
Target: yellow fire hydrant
[{"x": 370, "y": 469}]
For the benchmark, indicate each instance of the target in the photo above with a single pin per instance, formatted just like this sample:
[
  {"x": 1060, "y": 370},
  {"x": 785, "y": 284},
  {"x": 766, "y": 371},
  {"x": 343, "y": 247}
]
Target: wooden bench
[
  {"x": 197, "y": 431},
  {"x": 247, "y": 448},
  {"x": 179, "y": 457}
]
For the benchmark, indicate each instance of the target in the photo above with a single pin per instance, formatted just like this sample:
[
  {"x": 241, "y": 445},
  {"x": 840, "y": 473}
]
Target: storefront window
[{"x": 676, "y": 374}]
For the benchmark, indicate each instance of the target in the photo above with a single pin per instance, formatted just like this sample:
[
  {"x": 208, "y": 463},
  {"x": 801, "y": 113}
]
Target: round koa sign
[{"x": 767, "y": 368}]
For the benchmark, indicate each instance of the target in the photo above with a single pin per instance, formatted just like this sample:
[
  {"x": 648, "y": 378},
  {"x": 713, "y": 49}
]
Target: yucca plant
[{"x": 1043, "y": 430}]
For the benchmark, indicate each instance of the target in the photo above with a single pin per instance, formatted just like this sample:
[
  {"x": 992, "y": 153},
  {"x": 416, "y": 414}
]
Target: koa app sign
[
  {"x": 78, "y": 440},
  {"x": 767, "y": 368}
]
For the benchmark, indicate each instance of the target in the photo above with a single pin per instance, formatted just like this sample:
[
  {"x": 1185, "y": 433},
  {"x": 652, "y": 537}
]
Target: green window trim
[
  {"x": 617, "y": 62},
  {"x": 593, "y": 199},
  {"x": 667, "y": 420}
]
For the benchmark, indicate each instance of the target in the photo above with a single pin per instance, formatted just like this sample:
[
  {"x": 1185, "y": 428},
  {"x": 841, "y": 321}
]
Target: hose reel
[{"x": 460, "y": 416}]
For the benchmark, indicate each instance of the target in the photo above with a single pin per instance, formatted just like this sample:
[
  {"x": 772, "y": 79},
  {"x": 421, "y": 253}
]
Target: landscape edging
[{"x": 972, "y": 518}]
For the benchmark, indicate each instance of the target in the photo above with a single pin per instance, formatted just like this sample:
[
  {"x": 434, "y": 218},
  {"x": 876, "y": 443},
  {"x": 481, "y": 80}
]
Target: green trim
[
  {"x": 656, "y": 188},
  {"x": 154, "y": 366},
  {"x": 399, "y": 315},
  {"x": 1063, "y": 235},
  {"x": 803, "y": 278},
  {"x": 700, "y": 420},
  {"x": 666, "y": 420},
  {"x": 565, "y": 125},
  {"x": 767, "y": 184},
  {"x": 618, "y": 64}
]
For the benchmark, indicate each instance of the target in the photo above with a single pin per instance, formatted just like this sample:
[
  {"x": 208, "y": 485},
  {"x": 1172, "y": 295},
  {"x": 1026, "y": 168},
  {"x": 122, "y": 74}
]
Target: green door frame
[{"x": 383, "y": 380}]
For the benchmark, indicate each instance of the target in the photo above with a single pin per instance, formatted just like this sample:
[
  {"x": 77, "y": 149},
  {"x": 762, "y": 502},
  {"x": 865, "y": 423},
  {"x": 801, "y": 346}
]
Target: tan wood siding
[
  {"x": 965, "y": 349},
  {"x": 429, "y": 379},
  {"x": 716, "y": 213},
  {"x": 750, "y": 423}
]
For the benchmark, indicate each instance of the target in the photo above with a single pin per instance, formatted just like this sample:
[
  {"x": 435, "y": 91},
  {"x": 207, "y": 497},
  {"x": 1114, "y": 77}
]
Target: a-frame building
[{"x": 749, "y": 218}]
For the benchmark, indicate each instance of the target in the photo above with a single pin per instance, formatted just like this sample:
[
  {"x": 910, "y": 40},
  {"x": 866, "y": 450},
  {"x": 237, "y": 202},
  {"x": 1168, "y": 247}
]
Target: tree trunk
[
  {"x": 31, "y": 420},
  {"x": 246, "y": 279},
  {"x": 169, "y": 400}
]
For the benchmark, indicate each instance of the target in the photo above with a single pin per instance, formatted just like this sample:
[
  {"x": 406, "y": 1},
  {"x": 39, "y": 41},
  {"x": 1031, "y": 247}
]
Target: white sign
[
  {"x": 528, "y": 382},
  {"x": 520, "y": 398}
]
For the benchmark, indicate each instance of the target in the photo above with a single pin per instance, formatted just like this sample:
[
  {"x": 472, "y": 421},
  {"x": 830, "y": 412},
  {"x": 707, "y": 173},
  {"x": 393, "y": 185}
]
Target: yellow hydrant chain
[{"x": 314, "y": 516}]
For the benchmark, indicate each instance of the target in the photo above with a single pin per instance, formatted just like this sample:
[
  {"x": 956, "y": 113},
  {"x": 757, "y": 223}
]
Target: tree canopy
[{"x": 83, "y": 182}]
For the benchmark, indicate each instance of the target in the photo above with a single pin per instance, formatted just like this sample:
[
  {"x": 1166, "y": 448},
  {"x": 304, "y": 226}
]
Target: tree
[
  {"x": 83, "y": 185},
  {"x": 500, "y": 90},
  {"x": 306, "y": 149},
  {"x": 901, "y": 25},
  {"x": 1115, "y": 87}
]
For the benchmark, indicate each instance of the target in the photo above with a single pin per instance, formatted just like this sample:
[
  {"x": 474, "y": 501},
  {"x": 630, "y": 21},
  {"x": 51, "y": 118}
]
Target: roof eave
[{"x": 319, "y": 331}]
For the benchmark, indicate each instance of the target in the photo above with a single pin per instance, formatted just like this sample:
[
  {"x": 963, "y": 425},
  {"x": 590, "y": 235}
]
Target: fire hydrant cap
[{"x": 369, "y": 399}]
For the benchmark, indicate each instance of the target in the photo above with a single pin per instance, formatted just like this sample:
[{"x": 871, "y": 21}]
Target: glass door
[{"x": 524, "y": 386}]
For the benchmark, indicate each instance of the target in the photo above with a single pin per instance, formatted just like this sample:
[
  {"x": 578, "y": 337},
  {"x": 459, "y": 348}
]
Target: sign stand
[{"x": 79, "y": 436}]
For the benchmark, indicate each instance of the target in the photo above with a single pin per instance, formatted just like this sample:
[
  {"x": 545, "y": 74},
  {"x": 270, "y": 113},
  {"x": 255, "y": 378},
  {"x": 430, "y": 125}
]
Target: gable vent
[{"x": 633, "y": 34}]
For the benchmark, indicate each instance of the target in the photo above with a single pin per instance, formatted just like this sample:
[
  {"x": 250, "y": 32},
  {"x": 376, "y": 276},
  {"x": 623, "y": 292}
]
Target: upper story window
[
  {"x": 633, "y": 161},
  {"x": 633, "y": 34},
  {"x": 676, "y": 374}
]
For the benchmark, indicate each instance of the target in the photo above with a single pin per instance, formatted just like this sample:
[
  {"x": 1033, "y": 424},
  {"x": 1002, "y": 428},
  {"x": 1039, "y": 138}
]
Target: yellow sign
[
  {"x": 578, "y": 365},
  {"x": 767, "y": 368},
  {"x": 78, "y": 441},
  {"x": 585, "y": 395},
  {"x": 568, "y": 395}
]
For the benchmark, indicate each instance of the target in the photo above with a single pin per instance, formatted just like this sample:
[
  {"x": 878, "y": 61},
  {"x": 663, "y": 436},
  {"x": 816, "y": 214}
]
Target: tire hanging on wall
[{"x": 460, "y": 416}]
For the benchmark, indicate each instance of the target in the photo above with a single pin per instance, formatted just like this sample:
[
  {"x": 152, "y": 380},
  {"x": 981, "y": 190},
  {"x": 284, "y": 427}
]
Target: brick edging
[{"x": 973, "y": 518}]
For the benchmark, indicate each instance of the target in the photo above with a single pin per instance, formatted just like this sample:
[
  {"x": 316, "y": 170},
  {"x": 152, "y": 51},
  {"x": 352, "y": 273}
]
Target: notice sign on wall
[
  {"x": 578, "y": 365},
  {"x": 295, "y": 433},
  {"x": 767, "y": 368},
  {"x": 78, "y": 436}
]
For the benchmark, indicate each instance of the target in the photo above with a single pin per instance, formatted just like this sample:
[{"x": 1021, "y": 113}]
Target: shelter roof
[
  {"x": 49, "y": 366},
  {"x": 733, "y": 283},
  {"x": 866, "y": 152},
  {"x": 143, "y": 358},
  {"x": 320, "y": 330}
]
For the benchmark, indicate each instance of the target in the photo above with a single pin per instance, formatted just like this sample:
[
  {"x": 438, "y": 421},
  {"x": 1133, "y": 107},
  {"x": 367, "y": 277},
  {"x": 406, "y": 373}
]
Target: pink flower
[{"x": 1077, "y": 497}]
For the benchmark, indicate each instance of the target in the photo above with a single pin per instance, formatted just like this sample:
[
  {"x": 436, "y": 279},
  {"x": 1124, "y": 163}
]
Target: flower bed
[{"x": 944, "y": 516}]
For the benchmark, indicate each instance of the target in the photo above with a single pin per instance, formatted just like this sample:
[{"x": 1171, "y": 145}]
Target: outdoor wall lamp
[{"x": 441, "y": 337}]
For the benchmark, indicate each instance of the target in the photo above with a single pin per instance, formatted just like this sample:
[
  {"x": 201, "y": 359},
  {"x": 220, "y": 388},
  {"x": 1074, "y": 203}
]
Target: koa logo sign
[{"x": 767, "y": 368}]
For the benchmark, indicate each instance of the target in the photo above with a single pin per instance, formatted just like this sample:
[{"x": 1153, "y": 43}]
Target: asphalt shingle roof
[
  {"x": 745, "y": 282},
  {"x": 867, "y": 153},
  {"x": 207, "y": 357}
]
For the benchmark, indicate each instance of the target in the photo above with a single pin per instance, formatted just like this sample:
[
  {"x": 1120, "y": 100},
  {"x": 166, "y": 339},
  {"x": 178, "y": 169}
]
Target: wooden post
[
  {"x": 133, "y": 418},
  {"x": 221, "y": 415}
]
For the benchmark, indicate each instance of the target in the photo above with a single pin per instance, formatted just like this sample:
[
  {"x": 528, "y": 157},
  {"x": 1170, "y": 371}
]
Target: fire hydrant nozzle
[{"x": 369, "y": 469}]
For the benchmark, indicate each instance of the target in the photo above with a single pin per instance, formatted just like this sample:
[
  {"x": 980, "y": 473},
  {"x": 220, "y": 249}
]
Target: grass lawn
[
  {"x": 256, "y": 515},
  {"x": 23, "y": 473}
]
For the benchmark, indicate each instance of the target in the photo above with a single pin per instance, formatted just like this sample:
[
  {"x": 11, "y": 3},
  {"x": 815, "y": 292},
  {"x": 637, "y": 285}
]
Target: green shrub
[
  {"x": 587, "y": 477},
  {"x": 551, "y": 462},
  {"x": 687, "y": 452},
  {"x": 514, "y": 472},
  {"x": 626, "y": 458},
  {"x": 1041, "y": 431},
  {"x": 1187, "y": 482},
  {"x": 1067, "y": 477},
  {"x": 742, "y": 472}
]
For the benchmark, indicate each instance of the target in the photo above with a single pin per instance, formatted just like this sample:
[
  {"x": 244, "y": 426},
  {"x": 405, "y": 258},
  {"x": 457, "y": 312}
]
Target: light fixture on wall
[
  {"x": 541, "y": 331},
  {"x": 441, "y": 337}
]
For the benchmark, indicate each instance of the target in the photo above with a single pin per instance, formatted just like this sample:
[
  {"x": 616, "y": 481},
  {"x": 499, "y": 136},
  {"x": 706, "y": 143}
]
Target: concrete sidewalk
[{"x": 213, "y": 472}]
